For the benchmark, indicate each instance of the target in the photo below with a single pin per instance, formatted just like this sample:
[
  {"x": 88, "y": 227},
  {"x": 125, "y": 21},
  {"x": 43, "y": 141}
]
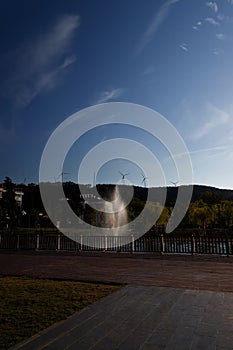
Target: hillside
[{"x": 156, "y": 192}]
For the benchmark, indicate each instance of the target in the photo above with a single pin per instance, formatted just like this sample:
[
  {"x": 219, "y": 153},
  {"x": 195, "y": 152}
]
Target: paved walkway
[
  {"x": 207, "y": 273},
  {"x": 139, "y": 317},
  {"x": 171, "y": 302}
]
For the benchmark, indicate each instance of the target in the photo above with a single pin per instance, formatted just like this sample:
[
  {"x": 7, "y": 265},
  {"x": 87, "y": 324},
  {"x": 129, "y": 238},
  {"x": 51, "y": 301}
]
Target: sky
[{"x": 173, "y": 56}]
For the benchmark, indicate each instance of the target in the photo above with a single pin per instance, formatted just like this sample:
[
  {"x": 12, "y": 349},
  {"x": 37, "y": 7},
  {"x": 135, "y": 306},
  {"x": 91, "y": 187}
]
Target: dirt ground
[{"x": 191, "y": 272}]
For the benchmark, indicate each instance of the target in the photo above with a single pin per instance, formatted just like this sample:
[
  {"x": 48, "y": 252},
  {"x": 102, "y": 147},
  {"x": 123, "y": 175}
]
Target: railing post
[
  {"x": 17, "y": 244},
  {"x": 106, "y": 243},
  {"x": 81, "y": 243},
  {"x": 162, "y": 245},
  {"x": 37, "y": 241},
  {"x": 132, "y": 244},
  {"x": 59, "y": 242},
  {"x": 227, "y": 244},
  {"x": 193, "y": 244}
]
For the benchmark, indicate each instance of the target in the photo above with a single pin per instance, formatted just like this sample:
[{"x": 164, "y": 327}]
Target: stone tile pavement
[
  {"x": 145, "y": 317},
  {"x": 170, "y": 302}
]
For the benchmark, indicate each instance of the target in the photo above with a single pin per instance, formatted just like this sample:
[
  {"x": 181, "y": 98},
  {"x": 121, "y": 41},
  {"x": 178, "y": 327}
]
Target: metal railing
[{"x": 164, "y": 244}]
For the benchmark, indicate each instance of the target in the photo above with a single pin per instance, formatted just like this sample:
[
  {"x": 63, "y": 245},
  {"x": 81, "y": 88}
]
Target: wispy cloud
[
  {"x": 212, "y": 21},
  {"x": 184, "y": 47},
  {"x": 110, "y": 95},
  {"x": 209, "y": 150},
  {"x": 197, "y": 25},
  {"x": 6, "y": 135},
  {"x": 40, "y": 63},
  {"x": 213, "y": 5},
  {"x": 221, "y": 17},
  {"x": 68, "y": 61},
  {"x": 214, "y": 149},
  {"x": 149, "y": 70},
  {"x": 155, "y": 24},
  {"x": 221, "y": 36},
  {"x": 215, "y": 118},
  {"x": 218, "y": 52}
]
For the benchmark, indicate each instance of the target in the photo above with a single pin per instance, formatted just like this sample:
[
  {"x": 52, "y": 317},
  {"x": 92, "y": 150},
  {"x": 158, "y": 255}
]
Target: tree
[
  {"x": 200, "y": 214},
  {"x": 10, "y": 206},
  {"x": 164, "y": 217},
  {"x": 211, "y": 198},
  {"x": 225, "y": 213},
  {"x": 3, "y": 216}
]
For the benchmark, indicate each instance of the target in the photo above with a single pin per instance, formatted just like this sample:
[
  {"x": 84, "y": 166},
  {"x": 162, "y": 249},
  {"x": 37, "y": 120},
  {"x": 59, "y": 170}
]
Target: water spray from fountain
[{"x": 116, "y": 213}]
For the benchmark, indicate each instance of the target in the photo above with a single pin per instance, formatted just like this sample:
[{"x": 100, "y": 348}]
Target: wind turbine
[
  {"x": 144, "y": 178},
  {"x": 123, "y": 177},
  {"x": 62, "y": 175},
  {"x": 174, "y": 183},
  {"x": 25, "y": 179}
]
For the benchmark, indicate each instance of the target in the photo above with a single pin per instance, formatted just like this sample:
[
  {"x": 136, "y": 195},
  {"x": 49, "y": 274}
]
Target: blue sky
[{"x": 174, "y": 56}]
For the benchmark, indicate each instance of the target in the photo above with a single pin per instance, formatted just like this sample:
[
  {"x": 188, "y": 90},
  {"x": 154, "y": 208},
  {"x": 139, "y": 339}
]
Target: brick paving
[
  {"x": 170, "y": 302},
  {"x": 198, "y": 272}
]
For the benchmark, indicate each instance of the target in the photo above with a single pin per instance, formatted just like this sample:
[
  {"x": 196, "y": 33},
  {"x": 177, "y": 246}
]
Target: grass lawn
[{"x": 29, "y": 305}]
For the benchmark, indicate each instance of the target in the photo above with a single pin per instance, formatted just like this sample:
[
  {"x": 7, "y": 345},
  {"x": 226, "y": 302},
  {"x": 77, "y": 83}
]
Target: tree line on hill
[{"x": 209, "y": 208}]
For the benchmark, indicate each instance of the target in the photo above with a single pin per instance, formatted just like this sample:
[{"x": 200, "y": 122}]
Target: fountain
[{"x": 115, "y": 213}]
